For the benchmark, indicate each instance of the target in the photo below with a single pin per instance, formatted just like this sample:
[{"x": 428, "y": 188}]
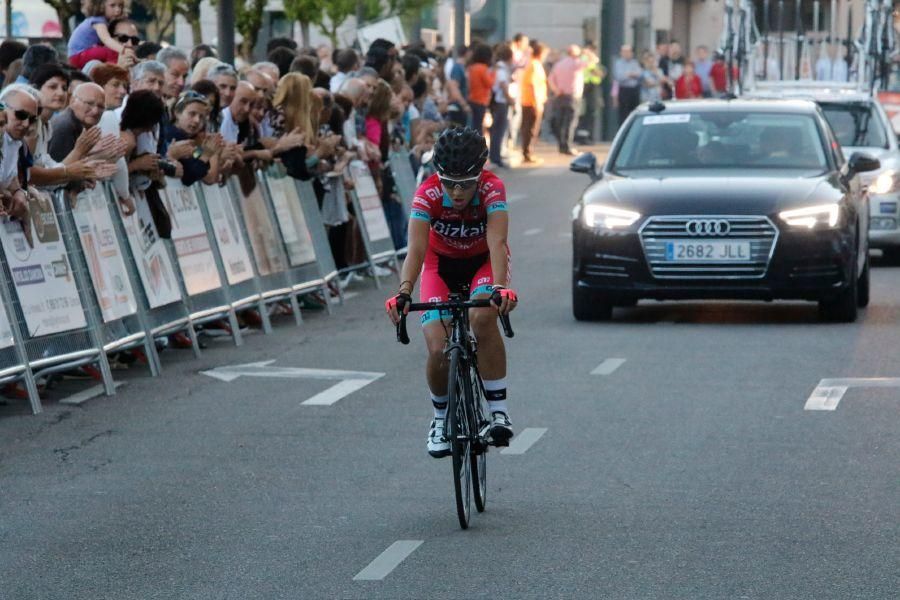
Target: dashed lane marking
[
  {"x": 608, "y": 366},
  {"x": 525, "y": 440},
  {"x": 829, "y": 392},
  {"x": 388, "y": 560},
  {"x": 534, "y": 231}
]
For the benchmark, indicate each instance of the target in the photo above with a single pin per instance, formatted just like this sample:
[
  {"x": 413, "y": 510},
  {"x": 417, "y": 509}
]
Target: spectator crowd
[
  {"x": 667, "y": 74},
  {"x": 133, "y": 112}
]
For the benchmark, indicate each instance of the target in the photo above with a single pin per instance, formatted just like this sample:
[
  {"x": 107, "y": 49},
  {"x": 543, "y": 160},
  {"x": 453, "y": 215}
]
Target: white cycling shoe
[
  {"x": 438, "y": 445},
  {"x": 501, "y": 429}
]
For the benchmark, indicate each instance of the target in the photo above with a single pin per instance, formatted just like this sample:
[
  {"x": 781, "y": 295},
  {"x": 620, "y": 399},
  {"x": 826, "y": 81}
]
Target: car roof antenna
[{"x": 657, "y": 107}]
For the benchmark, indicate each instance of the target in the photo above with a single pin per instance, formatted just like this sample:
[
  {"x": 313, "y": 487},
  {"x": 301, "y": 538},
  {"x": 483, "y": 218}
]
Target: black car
[{"x": 723, "y": 199}]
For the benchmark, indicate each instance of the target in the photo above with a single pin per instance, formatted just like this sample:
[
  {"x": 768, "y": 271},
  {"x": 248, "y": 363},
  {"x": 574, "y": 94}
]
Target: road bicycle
[{"x": 468, "y": 426}]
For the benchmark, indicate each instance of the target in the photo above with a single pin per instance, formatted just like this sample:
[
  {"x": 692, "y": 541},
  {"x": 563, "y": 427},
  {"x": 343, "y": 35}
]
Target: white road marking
[
  {"x": 608, "y": 366},
  {"x": 263, "y": 369},
  {"x": 388, "y": 560},
  {"x": 347, "y": 381},
  {"x": 524, "y": 440},
  {"x": 534, "y": 231},
  {"x": 336, "y": 392},
  {"x": 829, "y": 392},
  {"x": 85, "y": 395}
]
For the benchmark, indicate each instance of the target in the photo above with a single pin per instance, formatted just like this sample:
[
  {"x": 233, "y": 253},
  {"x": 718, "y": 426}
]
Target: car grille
[{"x": 759, "y": 231}]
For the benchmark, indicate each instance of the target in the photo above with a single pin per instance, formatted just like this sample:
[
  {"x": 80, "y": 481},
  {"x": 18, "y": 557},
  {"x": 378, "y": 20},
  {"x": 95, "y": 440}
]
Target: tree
[
  {"x": 248, "y": 17},
  {"x": 65, "y": 10},
  {"x": 163, "y": 12},
  {"x": 190, "y": 10},
  {"x": 306, "y": 12}
]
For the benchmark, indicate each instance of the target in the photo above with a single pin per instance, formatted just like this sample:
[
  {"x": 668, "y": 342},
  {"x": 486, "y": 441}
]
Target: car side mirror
[
  {"x": 862, "y": 162},
  {"x": 586, "y": 163}
]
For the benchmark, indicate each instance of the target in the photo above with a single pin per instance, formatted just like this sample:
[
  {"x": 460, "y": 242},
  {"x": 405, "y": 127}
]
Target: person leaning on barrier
[
  {"x": 211, "y": 92},
  {"x": 177, "y": 68},
  {"x": 140, "y": 116},
  {"x": 198, "y": 152},
  {"x": 75, "y": 136},
  {"x": 292, "y": 116},
  {"x": 52, "y": 84},
  {"x": 20, "y": 113}
]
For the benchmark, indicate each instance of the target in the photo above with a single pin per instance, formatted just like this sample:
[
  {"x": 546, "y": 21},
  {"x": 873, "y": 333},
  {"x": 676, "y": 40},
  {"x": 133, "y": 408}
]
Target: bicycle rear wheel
[
  {"x": 458, "y": 432},
  {"x": 479, "y": 443}
]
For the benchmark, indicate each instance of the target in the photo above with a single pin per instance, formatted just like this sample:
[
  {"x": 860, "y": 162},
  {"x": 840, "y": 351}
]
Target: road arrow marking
[
  {"x": 608, "y": 366},
  {"x": 829, "y": 392},
  {"x": 388, "y": 560},
  {"x": 347, "y": 381}
]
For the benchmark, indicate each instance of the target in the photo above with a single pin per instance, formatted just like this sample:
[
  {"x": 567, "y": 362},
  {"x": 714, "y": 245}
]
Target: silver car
[{"x": 860, "y": 124}]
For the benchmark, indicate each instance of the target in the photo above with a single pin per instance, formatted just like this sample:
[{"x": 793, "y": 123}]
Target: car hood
[{"x": 714, "y": 195}]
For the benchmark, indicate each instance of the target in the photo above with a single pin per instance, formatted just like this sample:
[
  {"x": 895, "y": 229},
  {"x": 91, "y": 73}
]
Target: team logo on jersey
[{"x": 460, "y": 229}]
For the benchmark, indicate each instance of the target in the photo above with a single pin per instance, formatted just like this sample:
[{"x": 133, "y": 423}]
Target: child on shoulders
[{"x": 92, "y": 39}]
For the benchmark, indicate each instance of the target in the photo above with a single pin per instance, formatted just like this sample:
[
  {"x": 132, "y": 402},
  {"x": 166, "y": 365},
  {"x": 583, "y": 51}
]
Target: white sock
[
  {"x": 440, "y": 405},
  {"x": 495, "y": 393}
]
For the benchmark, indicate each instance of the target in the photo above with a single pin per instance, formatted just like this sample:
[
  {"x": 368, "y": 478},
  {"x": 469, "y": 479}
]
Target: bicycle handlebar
[{"x": 403, "y": 336}]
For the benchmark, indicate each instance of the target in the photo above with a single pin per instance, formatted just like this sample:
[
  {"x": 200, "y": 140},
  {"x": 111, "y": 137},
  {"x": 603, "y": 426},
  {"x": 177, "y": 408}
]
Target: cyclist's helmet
[{"x": 460, "y": 152}]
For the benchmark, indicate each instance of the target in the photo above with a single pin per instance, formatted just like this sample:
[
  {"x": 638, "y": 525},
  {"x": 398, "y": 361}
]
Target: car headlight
[
  {"x": 885, "y": 183},
  {"x": 607, "y": 217},
  {"x": 824, "y": 215}
]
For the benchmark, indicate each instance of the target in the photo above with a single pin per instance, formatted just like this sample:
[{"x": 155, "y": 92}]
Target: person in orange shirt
[
  {"x": 481, "y": 81},
  {"x": 534, "y": 96}
]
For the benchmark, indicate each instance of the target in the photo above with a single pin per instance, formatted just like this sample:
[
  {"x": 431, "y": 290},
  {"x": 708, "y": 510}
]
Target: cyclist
[{"x": 457, "y": 237}]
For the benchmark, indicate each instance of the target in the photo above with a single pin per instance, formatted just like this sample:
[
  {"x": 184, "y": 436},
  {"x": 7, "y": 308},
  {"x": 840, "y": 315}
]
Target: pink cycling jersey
[{"x": 458, "y": 234}]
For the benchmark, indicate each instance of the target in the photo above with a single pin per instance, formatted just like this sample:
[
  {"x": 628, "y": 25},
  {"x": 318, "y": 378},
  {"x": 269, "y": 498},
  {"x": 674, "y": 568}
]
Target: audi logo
[{"x": 708, "y": 227}]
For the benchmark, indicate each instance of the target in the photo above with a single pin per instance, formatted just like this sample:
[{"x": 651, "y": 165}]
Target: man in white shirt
[{"x": 20, "y": 114}]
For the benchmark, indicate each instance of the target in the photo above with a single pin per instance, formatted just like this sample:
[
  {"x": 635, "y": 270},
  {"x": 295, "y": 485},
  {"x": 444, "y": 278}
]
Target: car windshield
[
  {"x": 730, "y": 140},
  {"x": 855, "y": 124}
]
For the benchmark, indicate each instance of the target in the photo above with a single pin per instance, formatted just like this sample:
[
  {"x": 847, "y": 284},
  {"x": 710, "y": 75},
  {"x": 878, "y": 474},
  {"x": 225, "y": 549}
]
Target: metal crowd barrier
[
  {"x": 266, "y": 248},
  {"x": 301, "y": 232},
  {"x": 50, "y": 297},
  {"x": 373, "y": 224},
  {"x": 200, "y": 267},
  {"x": 95, "y": 281}
]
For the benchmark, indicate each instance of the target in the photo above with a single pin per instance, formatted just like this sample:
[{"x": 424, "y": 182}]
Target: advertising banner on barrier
[
  {"x": 195, "y": 257},
  {"x": 291, "y": 221},
  {"x": 6, "y": 335},
  {"x": 153, "y": 262},
  {"x": 42, "y": 274},
  {"x": 373, "y": 213},
  {"x": 104, "y": 257},
  {"x": 269, "y": 256},
  {"x": 228, "y": 234}
]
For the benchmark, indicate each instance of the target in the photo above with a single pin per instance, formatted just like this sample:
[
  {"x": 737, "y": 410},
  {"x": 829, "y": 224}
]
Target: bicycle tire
[
  {"x": 458, "y": 434},
  {"x": 479, "y": 453}
]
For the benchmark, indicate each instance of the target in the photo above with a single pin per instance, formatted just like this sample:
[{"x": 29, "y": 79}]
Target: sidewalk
[{"x": 546, "y": 151}]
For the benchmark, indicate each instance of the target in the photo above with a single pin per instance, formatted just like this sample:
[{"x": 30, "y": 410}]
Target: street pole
[
  {"x": 226, "y": 31},
  {"x": 9, "y": 19},
  {"x": 459, "y": 23}
]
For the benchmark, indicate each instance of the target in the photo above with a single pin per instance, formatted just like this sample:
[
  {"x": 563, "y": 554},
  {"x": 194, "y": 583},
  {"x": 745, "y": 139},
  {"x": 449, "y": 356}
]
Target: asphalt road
[{"x": 688, "y": 468}]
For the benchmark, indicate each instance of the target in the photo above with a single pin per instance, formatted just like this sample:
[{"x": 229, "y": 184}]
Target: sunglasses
[
  {"x": 190, "y": 96},
  {"x": 24, "y": 115},
  {"x": 463, "y": 184},
  {"x": 124, "y": 39}
]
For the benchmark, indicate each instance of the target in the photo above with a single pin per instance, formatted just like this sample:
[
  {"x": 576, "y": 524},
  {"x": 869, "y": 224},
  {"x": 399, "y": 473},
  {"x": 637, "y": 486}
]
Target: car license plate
[{"x": 707, "y": 251}]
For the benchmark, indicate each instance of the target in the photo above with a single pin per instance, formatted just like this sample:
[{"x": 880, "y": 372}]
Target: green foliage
[{"x": 248, "y": 17}]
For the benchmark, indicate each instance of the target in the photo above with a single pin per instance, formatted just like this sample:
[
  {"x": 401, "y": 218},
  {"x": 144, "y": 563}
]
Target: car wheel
[
  {"x": 862, "y": 294},
  {"x": 589, "y": 306},
  {"x": 843, "y": 307}
]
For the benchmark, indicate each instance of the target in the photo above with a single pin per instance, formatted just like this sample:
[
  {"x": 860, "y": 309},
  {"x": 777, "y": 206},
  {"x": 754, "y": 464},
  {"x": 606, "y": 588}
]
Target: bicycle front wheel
[
  {"x": 479, "y": 443},
  {"x": 459, "y": 434}
]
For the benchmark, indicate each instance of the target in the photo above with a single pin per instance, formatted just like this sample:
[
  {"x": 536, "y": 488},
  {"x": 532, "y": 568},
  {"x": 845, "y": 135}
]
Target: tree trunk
[
  {"x": 196, "y": 30},
  {"x": 304, "y": 33}
]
